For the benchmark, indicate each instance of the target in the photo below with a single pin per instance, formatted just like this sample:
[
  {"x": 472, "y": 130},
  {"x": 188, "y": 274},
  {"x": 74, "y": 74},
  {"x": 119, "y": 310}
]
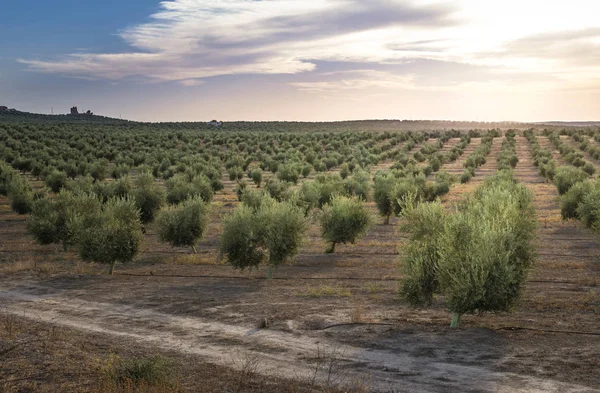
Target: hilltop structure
[{"x": 75, "y": 111}]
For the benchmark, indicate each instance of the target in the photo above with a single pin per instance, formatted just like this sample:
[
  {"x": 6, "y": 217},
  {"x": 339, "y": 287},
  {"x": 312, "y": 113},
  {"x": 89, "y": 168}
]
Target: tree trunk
[
  {"x": 270, "y": 272},
  {"x": 111, "y": 268},
  {"x": 455, "y": 320},
  {"x": 194, "y": 248},
  {"x": 332, "y": 248},
  {"x": 387, "y": 219},
  {"x": 64, "y": 244}
]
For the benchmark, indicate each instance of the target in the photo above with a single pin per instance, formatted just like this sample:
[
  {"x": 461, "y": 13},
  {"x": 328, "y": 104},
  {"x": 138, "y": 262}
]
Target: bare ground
[{"x": 343, "y": 305}]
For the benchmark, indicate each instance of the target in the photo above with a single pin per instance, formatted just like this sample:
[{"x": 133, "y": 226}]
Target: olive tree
[
  {"x": 271, "y": 234},
  {"x": 425, "y": 224},
  {"x": 54, "y": 220},
  {"x": 567, "y": 176},
  {"x": 180, "y": 188},
  {"x": 382, "y": 193},
  {"x": 344, "y": 220},
  {"x": 20, "y": 193},
  {"x": 183, "y": 225},
  {"x": 149, "y": 196},
  {"x": 56, "y": 180},
  {"x": 111, "y": 235},
  {"x": 477, "y": 257},
  {"x": 256, "y": 176}
]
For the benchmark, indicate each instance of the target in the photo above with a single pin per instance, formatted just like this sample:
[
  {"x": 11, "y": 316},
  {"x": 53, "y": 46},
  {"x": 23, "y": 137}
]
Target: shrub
[
  {"x": 111, "y": 235},
  {"x": 344, "y": 220},
  {"x": 183, "y": 225},
  {"x": 256, "y": 176},
  {"x": 570, "y": 201},
  {"x": 588, "y": 210},
  {"x": 98, "y": 171},
  {"x": 567, "y": 176},
  {"x": 20, "y": 194},
  {"x": 477, "y": 257},
  {"x": 276, "y": 188},
  {"x": 56, "y": 180},
  {"x": 54, "y": 220},
  {"x": 425, "y": 224},
  {"x": 306, "y": 170},
  {"x": 235, "y": 173},
  {"x": 288, "y": 173},
  {"x": 179, "y": 188},
  {"x": 589, "y": 168},
  {"x": 149, "y": 196},
  {"x": 254, "y": 199},
  {"x": 153, "y": 371},
  {"x": 466, "y": 176},
  {"x": 309, "y": 195},
  {"x": 271, "y": 234},
  {"x": 358, "y": 185},
  {"x": 382, "y": 194}
]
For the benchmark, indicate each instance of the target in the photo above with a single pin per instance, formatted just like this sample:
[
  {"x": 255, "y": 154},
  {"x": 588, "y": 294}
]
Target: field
[{"x": 327, "y": 322}]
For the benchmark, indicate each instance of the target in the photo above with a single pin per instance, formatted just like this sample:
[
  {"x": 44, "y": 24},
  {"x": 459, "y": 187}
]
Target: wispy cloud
[
  {"x": 191, "y": 39},
  {"x": 534, "y": 43}
]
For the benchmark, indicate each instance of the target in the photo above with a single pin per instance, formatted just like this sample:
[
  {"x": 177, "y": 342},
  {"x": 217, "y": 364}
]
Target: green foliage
[
  {"x": 382, "y": 194},
  {"x": 256, "y": 176},
  {"x": 106, "y": 190},
  {"x": 277, "y": 188},
  {"x": 344, "y": 220},
  {"x": 358, "y": 185},
  {"x": 271, "y": 234},
  {"x": 588, "y": 210},
  {"x": 477, "y": 257},
  {"x": 111, "y": 235},
  {"x": 289, "y": 173},
  {"x": 254, "y": 199},
  {"x": 425, "y": 224},
  {"x": 56, "y": 180},
  {"x": 570, "y": 201},
  {"x": 183, "y": 225},
  {"x": 180, "y": 188},
  {"x": 20, "y": 193},
  {"x": 235, "y": 173},
  {"x": 55, "y": 220},
  {"x": 567, "y": 176},
  {"x": 149, "y": 196},
  {"x": 153, "y": 371}
]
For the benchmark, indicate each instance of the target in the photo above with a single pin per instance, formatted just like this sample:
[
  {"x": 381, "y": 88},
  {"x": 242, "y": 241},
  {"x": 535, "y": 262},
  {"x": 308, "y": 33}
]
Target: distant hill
[
  {"x": 13, "y": 115},
  {"x": 571, "y": 123}
]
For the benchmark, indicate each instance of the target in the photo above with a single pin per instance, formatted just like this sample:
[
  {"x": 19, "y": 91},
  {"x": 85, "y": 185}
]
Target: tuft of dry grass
[
  {"x": 193, "y": 259},
  {"x": 326, "y": 291}
]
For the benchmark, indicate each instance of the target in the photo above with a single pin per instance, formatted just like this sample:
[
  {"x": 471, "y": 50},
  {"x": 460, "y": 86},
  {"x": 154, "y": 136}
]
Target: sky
[{"x": 303, "y": 60}]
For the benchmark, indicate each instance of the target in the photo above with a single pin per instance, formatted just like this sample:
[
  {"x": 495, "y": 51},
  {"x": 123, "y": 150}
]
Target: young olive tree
[
  {"x": 344, "y": 220},
  {"x": 477, "y": 257},
  {"x": 382, "y": 193},
  {"x": 112, "y": 235},
  {"x": 567, "y": 176},
  {"x": 54, "y": 220},
  {"x": 271, "y": 234},
  {"x": 56, "y": 180},
  {"x": 20, "y": 193},
  {"x": 149, "y": 196},
  {"x": 425, "y": 224},
  {"x": 180, "y": 188},
  {"x": 183, "y": 225}
]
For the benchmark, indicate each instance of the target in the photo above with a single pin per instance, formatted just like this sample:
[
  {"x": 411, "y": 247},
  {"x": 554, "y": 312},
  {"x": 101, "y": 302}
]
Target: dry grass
[
  {"x": 193, "y": 259},
  {"x": 319, "y": 291}
]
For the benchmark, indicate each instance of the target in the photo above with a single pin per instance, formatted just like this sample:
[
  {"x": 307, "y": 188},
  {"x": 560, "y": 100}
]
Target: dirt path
[{"x": 282, "y": 354}]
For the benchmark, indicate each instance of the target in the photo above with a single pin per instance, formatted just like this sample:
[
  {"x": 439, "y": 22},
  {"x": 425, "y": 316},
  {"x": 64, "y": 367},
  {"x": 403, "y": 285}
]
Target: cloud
[
  {"x": 379, "y": 44},
  {"x": 191, "y": 39}
]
